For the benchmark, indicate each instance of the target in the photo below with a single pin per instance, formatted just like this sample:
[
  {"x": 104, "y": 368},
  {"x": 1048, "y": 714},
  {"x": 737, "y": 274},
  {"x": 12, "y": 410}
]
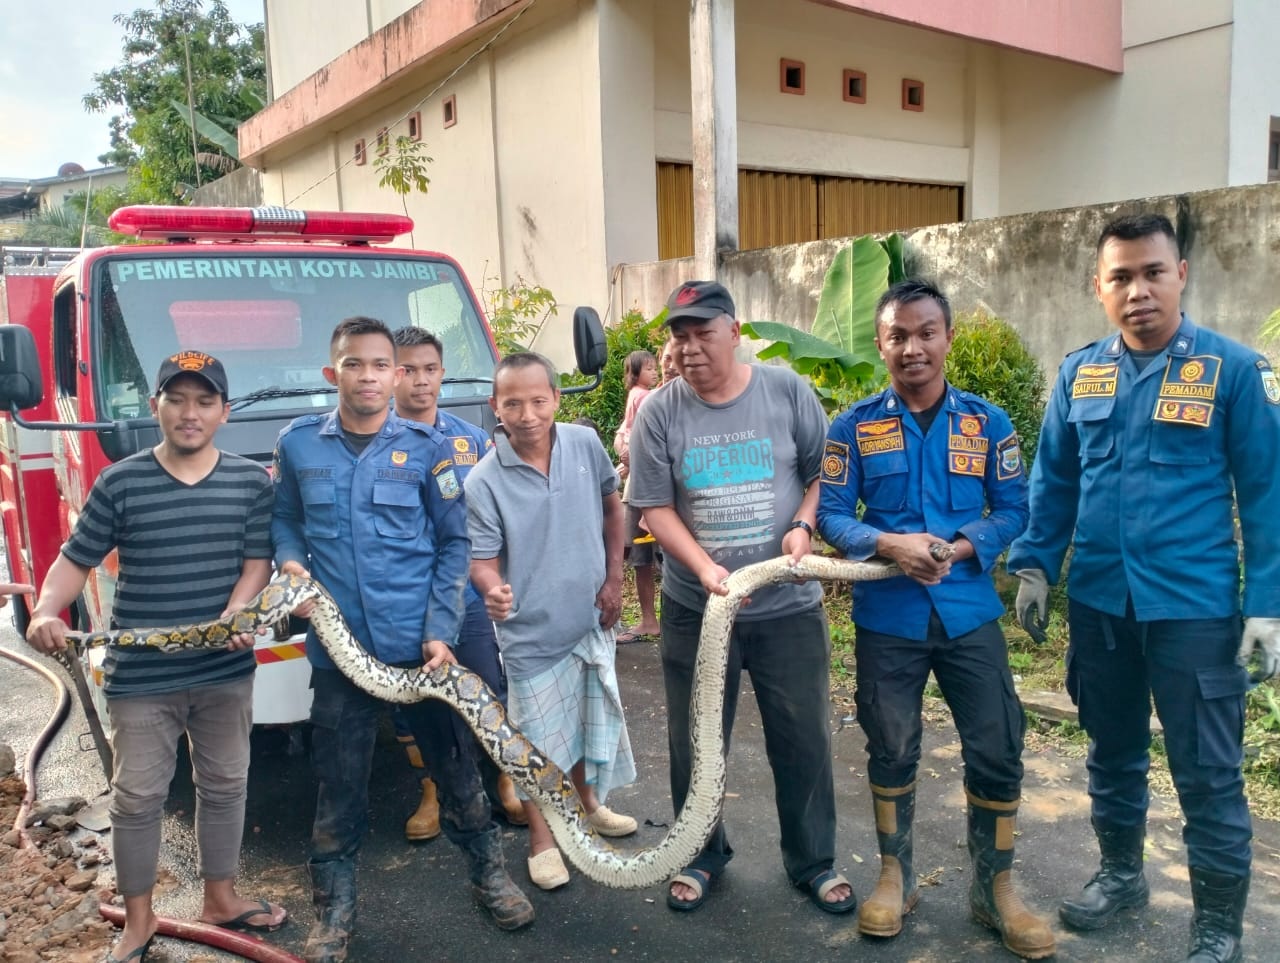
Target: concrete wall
[
  {"x": 1033, "y": 270},
  {"x": 241, "y": 188}
]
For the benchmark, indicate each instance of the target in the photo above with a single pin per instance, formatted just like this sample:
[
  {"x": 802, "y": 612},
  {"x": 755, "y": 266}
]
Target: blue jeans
[
  {"x": 973, "y": 673},
  {"x": 1115, "y": 666},
  {"x": 789, "y": 660},
  {"x": 344, "y": 725}
]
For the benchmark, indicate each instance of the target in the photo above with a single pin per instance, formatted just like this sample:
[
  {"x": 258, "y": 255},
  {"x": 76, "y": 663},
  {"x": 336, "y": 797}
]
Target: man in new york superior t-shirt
[{"x": 725, "y": 465}]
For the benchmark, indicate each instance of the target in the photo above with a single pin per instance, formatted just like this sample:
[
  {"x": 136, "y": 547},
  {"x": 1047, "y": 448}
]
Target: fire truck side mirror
[
  {"x": 20, "y": 385},
  {"x": 589, "y": 344}
]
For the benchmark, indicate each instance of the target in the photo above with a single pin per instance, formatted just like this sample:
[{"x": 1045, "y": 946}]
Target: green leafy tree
[
  {"x": 403, "y": 168},
  {"x": 516, "y": 312},
  {"x": 70, "y": 226},
  {"x": 839, "y": 354},
  {"x": 988, "y": 358},
  {"x": 186, "y": 68},
  {"x": 608, "y": 403}
]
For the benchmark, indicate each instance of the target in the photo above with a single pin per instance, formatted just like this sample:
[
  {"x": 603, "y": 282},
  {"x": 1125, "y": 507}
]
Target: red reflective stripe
[{"x": 280, "y": 653}]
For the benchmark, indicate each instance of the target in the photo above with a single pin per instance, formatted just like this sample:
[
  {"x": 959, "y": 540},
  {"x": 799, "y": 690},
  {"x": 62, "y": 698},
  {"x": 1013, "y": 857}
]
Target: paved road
[{"x": 415, "y": 903}]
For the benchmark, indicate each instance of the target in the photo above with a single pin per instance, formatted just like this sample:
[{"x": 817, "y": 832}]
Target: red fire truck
[{"x": 261, "y": 288}]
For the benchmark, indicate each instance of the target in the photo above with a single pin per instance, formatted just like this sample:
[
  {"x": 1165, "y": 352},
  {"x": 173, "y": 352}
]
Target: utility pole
[{"x": 714, "y": 108}]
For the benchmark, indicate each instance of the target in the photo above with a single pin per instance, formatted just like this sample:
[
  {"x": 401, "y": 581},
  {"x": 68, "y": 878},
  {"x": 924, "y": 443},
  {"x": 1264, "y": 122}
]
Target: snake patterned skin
[{"x": 545, "y": 783}]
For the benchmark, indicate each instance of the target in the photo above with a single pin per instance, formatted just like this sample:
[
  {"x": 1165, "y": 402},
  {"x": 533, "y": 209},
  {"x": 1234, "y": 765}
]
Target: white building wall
[
  {"x": 549, "y": 173},
  {"x": 307, "y": 34},
  {"x": 382, "y": 12},
  {"x": 1072, "y": 136},
  {"x": 549, "y": 157},
  {"x": 820, "y": 132},
  {"x": 306, "y": 181},
  {"x": 626, "y": 132},
  {"x": 1255, "y": 89}
]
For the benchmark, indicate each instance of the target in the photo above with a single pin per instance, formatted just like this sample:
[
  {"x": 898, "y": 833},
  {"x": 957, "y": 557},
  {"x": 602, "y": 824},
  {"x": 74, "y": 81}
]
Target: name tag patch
[
  {"x": 1095, "y": 381},
  {"x": 966, "y": 435},
  {"x": 877, "y": 437},
  {"x": 835, "y": 463},
  {"x": 1188, "y": 391}
]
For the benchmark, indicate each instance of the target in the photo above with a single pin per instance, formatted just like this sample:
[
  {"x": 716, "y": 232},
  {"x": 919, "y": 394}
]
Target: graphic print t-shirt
[{"x": 736, "y": 474}]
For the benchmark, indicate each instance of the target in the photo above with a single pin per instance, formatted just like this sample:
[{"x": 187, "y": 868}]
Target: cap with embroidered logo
[
  {"x": 698, "y": 301},
  {"x": 196, "y": 363}
]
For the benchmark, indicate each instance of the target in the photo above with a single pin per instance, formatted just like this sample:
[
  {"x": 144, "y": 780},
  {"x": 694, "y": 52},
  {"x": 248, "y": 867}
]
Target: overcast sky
[{"x": 47, "y": 60}]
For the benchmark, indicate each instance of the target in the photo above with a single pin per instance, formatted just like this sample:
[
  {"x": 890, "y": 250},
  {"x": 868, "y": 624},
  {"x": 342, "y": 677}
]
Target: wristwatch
[{"x": 801, "y": 523}]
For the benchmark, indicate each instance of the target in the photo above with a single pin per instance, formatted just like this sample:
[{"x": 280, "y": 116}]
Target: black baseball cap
[
  {"x": 698, "y": 301},
  {"x": 196, "y": 363}
]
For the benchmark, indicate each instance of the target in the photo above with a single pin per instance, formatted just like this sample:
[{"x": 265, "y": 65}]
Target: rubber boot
[
  {"x": 425, "y": 823},
  {"x": 897, "y": 892},
  {"x": 492, "y": 887},
  {"x": 1119, "y": 884},
  {"x": 512, "y": 808},
  {"x": 333, "y": 893},
  {"x": 992, "y": 898},
  {"x": 1218, "y": 925}
]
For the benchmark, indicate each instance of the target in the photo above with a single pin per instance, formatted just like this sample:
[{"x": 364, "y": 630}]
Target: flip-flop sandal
[
  {"x": 241, "y": 923},
  {"x": 632, "y": 636},
  {"x": 698, "y": 879},
  {"x": 824, "y": 883},
  {"x": 140, "y": 954}
]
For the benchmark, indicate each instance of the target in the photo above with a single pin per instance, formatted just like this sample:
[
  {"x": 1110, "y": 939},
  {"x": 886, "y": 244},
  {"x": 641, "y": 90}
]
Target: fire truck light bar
[{"x": 250, "y": 223}]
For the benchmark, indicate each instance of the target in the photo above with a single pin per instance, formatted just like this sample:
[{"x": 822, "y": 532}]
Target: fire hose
[
  {"x": 42, "y": 741},
  {"x": 248, "y": 947}
]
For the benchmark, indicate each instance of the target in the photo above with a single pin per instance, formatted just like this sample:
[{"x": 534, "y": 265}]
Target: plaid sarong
[{"x": 573, "y": 711}]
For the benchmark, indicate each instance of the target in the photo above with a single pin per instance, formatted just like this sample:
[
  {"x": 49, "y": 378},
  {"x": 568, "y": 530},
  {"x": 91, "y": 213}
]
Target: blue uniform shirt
[
  {"x": 469, "y": 443},
  {"x": 1140, "y": 467},
  {"x": 384, "y": 532},
  {"x": 964, "y": 478}
]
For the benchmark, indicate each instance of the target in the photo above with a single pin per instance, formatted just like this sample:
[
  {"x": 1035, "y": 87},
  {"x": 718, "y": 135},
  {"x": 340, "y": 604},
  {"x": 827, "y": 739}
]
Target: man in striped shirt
[{"x": 192, "y": 528}]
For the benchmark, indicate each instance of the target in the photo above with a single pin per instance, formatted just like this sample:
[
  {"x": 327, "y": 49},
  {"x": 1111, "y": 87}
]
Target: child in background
[{"x": 641, "y": 371}]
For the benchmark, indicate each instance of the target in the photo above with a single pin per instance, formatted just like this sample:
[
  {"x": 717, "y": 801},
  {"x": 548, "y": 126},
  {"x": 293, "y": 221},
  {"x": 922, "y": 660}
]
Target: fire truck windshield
[{"x": 268, "y": 316}]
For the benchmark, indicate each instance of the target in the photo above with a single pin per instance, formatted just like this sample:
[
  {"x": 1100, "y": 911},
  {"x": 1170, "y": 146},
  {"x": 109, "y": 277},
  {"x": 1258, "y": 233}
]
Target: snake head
[{"x": 941, "y": 551}]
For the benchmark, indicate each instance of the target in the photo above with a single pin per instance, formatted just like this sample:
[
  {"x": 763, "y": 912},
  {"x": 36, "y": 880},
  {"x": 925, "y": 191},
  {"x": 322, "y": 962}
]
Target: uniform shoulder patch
[
  {"x": 835, "y": 463},
  {"x": 1008, "y": 458},
  {"x": 447, "y": 482},
  {"x": 1270, "y": 386}
]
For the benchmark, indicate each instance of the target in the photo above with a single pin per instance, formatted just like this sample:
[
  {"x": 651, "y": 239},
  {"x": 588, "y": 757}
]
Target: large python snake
[{"x": 544, "y": 782}]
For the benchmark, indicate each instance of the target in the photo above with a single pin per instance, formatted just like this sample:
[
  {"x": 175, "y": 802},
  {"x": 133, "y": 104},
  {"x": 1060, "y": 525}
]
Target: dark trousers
[
  {"x": 973, "y": 673},
  {"x": 789, "y": 660},
  {"x": 477, "y": 650},
  {"x": 1115, "y": 666},
  {"x": 344, "y": 723}
]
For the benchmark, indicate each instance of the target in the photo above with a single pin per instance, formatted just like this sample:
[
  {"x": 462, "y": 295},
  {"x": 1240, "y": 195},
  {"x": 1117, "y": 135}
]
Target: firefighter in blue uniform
[
  {"x": 421, "y": 354},
  {"x": 1147, "y": 434},
  {"x": 370, "y": 503},
  {"x": 933, "y": 465}
]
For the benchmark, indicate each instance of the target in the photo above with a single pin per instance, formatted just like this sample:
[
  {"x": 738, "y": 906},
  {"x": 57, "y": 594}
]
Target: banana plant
[{"x": 839, "y": 354}]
